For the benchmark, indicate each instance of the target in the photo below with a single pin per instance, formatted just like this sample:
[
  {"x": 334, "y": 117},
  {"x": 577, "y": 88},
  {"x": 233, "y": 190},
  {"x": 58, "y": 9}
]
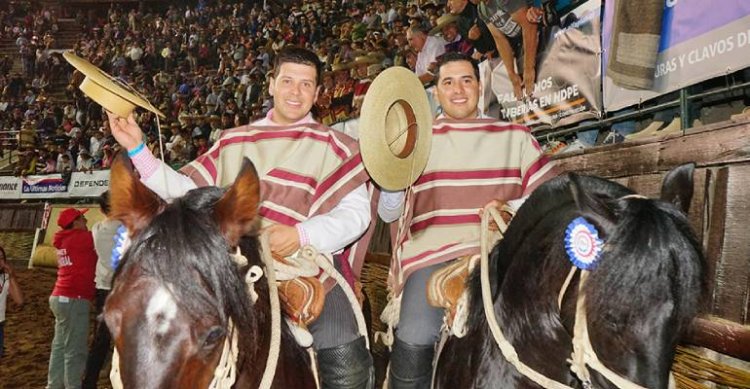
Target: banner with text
[
  {"x": 50, "y": 186},
  {"x": 567, "y": 84},
  {"x": 699, "y": 40},
  {"x": 88, "y": 184},
  {"x": 10, "y": 188}
]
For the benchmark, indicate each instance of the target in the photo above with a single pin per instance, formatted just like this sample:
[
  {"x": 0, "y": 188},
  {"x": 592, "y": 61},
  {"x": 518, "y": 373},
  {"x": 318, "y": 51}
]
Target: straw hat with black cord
[
  {"x": 395, "y": 130},
  {"x": 112, "y": 94}
]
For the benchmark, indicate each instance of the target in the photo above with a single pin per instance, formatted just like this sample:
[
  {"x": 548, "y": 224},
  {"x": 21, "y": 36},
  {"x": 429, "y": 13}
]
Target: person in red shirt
[{"x": 70, "y": 299}]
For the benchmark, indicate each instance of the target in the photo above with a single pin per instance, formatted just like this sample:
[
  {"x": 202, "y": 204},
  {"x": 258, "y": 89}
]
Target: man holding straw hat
[
  {"x": 313, "y": 182},
  {"x": 475, "y": 163}
]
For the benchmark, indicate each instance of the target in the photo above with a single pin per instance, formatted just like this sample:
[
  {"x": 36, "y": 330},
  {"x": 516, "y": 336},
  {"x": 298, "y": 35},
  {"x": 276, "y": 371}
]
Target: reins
[
  {"x": 299, "y": 266},
  {"x": 507, "y": 349},
  {"x": 225, "y": 373},
  {"x": 583, "y": 356}
]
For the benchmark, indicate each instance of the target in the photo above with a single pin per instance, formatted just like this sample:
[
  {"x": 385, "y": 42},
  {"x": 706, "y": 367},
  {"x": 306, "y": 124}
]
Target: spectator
[
  {"x": 8, "y": 287},
  {"x": 71, "y": 298},
  {"x": 84, "y": 163},
  {"x": 63, "y": 164},
  {"x": 103, "y": 233},
  {"x": 429, "y": 48}
]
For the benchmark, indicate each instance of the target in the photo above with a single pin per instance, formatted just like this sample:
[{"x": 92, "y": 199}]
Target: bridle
[
  {"x": 583, "y": 357},
  {"x": 309, "y": 262}
]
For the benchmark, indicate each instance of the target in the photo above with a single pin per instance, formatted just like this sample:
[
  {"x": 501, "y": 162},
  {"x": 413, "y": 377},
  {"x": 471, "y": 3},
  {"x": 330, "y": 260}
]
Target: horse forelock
[{"x": 183, "y": 247}]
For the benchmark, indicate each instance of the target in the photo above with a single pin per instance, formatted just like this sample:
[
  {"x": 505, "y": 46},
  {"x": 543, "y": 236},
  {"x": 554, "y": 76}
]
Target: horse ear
[
  {"x": 591, "y": 206},
  {"x": 238, "y": 207},
  {"x": 131, "y": 202},
  {"x": 677, "y": 186}
]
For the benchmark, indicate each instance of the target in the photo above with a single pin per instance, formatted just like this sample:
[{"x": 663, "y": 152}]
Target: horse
[
  {"x": 177, "y": 288},
  {"x": 645, "y": 288}
]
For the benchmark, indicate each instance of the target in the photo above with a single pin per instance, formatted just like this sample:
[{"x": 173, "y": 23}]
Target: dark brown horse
[
  {"x": 645, "y": 289},
  {"x": 177, "y": 288}
]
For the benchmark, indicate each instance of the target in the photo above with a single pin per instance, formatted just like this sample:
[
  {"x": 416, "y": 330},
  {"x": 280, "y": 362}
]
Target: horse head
[
  {"x": 177, "y": 287},
  {"x": 649, "y": 282},
  {"x": 639, "y": 297}
]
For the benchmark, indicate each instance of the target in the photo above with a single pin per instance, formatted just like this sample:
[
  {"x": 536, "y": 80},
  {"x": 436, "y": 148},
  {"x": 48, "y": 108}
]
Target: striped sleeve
[
  {"x": 535, "y": 166},
  {"x": 203, "y": 170}
]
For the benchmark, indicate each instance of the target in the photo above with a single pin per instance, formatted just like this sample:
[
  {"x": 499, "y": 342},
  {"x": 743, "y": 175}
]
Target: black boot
[
  {"x": 348, "y": 366},
  {"x": 411, "y": 366}
]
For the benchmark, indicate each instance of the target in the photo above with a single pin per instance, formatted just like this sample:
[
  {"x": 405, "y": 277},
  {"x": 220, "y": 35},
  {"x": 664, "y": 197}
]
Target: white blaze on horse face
[{"x": 161, "y": 310}]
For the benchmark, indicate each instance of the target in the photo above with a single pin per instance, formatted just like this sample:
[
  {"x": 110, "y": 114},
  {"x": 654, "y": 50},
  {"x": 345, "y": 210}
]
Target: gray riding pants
[
  {"x": 419, "y": 322},
  {"x": 336, "y": 324}
]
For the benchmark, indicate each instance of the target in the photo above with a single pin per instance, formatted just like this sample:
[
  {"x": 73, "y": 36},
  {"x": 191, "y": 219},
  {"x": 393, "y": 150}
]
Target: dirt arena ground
[{"x": 29, "y": 331}]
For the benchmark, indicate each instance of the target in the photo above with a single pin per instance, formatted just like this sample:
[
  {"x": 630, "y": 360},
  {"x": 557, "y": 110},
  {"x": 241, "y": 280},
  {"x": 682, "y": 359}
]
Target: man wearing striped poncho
[
  {"x": 312, "y": 189},
  {"x": 475, "y": 163}
]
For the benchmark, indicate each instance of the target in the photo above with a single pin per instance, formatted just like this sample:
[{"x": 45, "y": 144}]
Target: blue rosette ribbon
[
  {"x": 582, "y": 244},
  {"x": 121, "y": 244}
]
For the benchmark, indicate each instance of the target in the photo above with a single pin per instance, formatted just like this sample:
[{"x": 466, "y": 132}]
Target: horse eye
[{"x": 213, "y": 336}]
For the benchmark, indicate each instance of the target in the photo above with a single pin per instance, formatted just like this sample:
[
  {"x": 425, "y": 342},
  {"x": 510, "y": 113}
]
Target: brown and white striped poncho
[
  {"x": 305, "y": 170},
  {"x": 471, "y": 163}
]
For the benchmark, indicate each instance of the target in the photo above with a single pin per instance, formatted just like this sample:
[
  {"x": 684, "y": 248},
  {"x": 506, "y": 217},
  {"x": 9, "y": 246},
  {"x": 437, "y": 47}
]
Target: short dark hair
[
  {"x": 104, "y": 203},
  {"x": 456, "y": 57},
  {"x": 301, "y": 56}
]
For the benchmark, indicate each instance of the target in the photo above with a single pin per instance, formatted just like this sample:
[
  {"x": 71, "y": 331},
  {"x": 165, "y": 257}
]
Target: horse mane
[
  {"x": 671, "y": 262},
  {"x": 184, "y": 249},
  {"x": 664, "y": 270}
]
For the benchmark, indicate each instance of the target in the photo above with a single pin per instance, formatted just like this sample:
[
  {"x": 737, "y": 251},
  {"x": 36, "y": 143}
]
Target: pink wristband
[{"x": 146, "y": 163}]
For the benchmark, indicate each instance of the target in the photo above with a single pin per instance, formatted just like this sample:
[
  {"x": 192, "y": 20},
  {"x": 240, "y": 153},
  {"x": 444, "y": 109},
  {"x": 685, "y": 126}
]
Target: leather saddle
[{"x": 302, "y": 298}]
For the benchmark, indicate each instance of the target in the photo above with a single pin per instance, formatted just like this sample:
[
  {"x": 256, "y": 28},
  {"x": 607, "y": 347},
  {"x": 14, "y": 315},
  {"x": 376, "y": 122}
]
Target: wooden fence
[{"x": 719, "y": 213}]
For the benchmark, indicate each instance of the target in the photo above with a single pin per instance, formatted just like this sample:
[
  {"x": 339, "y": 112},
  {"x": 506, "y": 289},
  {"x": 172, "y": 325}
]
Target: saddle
[
  {"x": 446, "y": 287},
  {"x": 302, "y": 298}
]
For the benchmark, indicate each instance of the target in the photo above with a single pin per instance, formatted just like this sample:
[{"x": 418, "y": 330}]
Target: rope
[
  {"x": 583, "y": 352},
  {"x": 564, "y": 288},
  {"x": 273, "y": 296},
  {"x": 391, "y": 314},
  {"x": 505, "y": 347},
  {"x": 225, "y": 373},
  {"x": 325, "y": 263}
]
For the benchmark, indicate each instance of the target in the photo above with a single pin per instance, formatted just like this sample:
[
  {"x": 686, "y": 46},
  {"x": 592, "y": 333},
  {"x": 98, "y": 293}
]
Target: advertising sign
[
  {"x": 699, "y": 40},
  {"x": 567, "y": 76}
]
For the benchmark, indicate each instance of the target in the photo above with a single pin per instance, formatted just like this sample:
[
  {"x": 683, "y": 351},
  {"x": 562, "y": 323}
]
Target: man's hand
[
  {"x": 534, "y": 14},
  {"x": 497, "y": 204},
  {"x": 515, "y": 79},
  {"x": 284, "y": 240},
  {"x": 126, "y": 131}
]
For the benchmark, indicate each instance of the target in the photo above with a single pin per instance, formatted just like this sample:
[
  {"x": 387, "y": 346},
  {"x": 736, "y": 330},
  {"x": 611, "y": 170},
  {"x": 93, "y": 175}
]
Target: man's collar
[
  {"x": 480, "y": 115},
  {"x": 270, "y": 122}
]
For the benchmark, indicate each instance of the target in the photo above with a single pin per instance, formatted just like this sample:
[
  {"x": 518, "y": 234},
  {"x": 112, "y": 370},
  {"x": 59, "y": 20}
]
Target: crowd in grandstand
[{"x": 206, "y": 67}]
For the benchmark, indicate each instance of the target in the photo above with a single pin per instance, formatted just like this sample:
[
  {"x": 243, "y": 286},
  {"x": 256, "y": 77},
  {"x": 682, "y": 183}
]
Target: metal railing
[{"x": 683, "y": 102}]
